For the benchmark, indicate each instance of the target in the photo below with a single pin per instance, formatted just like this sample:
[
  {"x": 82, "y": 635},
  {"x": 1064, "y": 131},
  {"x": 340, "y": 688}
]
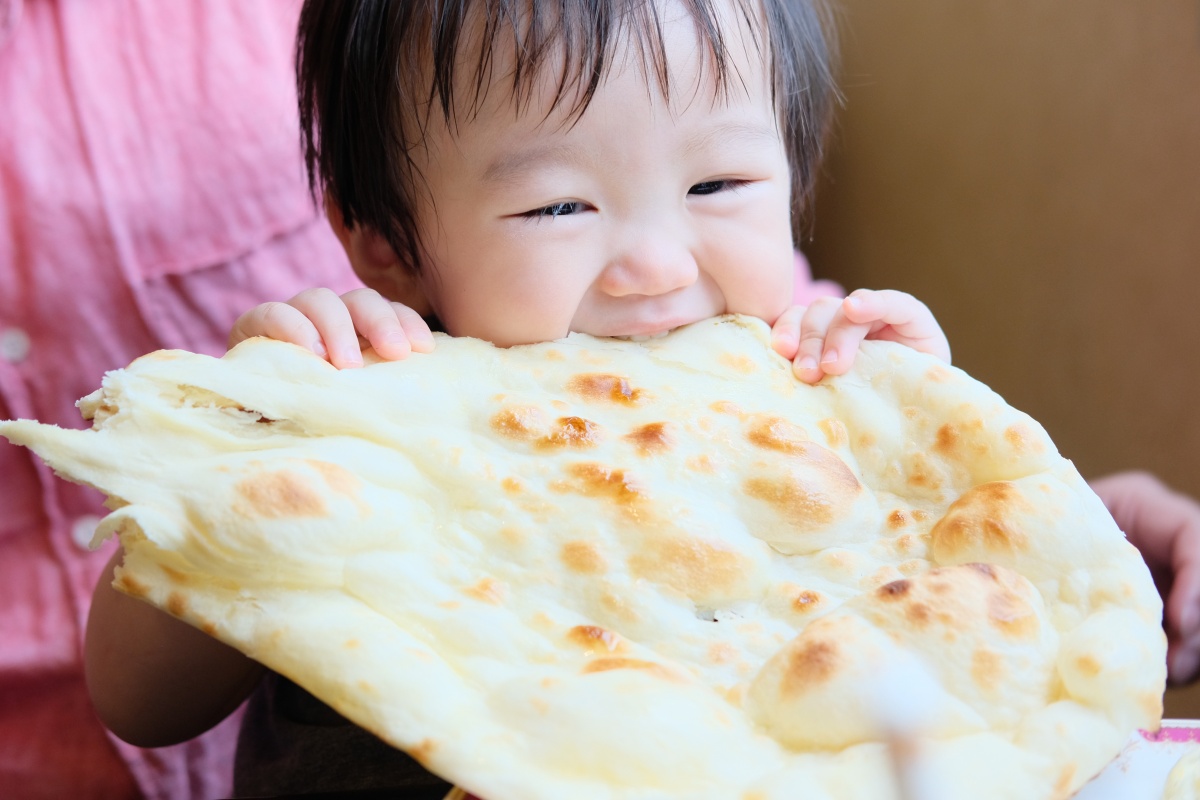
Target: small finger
[
  {"x": 1183, "y": 604},
  {"x": 899, "y": 317},
  {"x": 278, "y": 321},
  {"x": 842, "y": 340},
  {"x": 375, "y": 320},
  {"x": 328, "y": 313},
  {"x": 420, "y": 337},
  {"x": 785, "y": 333},
  {"x": 813, "y": 326},
  {"x": 1183, "y": 661}
]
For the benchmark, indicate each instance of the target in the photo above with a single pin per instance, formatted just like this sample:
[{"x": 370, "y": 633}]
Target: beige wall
[{"x": 1031, "y": 169}]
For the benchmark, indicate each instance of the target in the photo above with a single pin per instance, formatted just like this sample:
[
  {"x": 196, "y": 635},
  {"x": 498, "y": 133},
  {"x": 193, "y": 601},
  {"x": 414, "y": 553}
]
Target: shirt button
[
  {"x": 83, "y": 529},
  {"x": 14, "y": 345}
]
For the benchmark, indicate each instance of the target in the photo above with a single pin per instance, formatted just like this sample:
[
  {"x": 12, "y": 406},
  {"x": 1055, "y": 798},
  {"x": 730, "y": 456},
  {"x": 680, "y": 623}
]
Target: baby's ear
[{"x": 376, "y": 263}]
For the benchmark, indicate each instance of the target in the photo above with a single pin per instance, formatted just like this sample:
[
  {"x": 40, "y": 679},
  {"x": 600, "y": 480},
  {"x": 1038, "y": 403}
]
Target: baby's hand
[
  {"x": 822, "y": 339},
  {"x": 337, "y": 328},
  {"x": 1165, "y": 526}
]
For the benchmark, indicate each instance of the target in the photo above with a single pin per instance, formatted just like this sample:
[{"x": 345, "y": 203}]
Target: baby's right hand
[{"x": 337, "y": 328}]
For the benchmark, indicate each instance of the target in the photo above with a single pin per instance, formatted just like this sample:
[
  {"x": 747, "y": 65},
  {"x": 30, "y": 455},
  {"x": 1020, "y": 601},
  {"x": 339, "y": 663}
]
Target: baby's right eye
[{"x": 556, "y": 210}]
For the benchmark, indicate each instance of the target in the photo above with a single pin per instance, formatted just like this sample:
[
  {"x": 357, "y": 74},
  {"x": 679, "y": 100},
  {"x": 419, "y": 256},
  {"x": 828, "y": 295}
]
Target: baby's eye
[
  {"x": 556, "y": 209},
  {"x": 712, "y": 187}
]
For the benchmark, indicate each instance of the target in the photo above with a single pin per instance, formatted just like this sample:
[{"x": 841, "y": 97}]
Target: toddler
[{"x": 516, "y": 170}]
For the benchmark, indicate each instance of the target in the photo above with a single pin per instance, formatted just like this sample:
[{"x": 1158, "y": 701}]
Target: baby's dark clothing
[{"x": 292, "y": 743}]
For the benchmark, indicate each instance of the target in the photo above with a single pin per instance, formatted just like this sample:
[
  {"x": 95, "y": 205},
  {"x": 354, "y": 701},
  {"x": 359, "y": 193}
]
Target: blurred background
[{"x": 1031, "y": 170}]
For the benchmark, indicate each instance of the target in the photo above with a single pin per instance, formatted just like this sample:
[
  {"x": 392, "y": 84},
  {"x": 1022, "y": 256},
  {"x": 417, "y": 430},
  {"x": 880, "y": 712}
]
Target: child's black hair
[{"x": 364, "y": 69}]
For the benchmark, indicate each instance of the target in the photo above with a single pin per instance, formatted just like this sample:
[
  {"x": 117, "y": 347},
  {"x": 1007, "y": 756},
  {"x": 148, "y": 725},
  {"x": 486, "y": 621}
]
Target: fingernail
[
  {"x": 351, "y": 358},
  {"x": 830, "y": 357},
  {"x": 807, "y": 363},
  {"x": 853, "y": 302},
  {"x": 319, "y": 349}
]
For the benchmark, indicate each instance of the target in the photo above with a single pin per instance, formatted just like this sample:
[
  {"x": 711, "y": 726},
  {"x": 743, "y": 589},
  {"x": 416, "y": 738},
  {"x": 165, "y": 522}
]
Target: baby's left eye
[
  {"x": 565, "y": 209},
  {"x": 712, "y": 187}
]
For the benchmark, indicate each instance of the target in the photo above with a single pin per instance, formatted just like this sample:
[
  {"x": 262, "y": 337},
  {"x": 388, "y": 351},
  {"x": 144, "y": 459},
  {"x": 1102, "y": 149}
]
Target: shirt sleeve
[{"x": 806, "y": 289}]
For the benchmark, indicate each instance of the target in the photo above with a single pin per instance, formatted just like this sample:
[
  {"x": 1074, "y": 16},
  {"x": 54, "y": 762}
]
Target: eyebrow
[
  {"x": 507, "y": 167},
  {"x": 729, "y": 133}
]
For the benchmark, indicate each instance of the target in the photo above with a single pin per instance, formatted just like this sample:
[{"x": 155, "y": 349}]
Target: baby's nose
[{"x": 656, "y": 262}]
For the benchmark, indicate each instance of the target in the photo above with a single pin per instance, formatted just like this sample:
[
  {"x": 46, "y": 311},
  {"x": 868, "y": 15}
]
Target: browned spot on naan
[
  {"x": 806, "y": 506},
  {"x": 815, "y": 488},
  {"x": 488, "y": 590},
  {"x": 601, "y": 387},
  {"x": 583, "y": 557},
  {"x": 922, "y": 474},
  {"x": 1022, "y": 440},
  {"x": 894, "y": 590},
  {"x": 987, "y": 669},
  {"x": 574, "y": 432},
  {"x": 132, "y": 586},
  {"x": 1012, "y": 615},
  {"x": 519, "y": 422},
  {"x": 339, "y": 479},
  {"x": 918, "y": 614},
  {"x": 981, "y": 519},
  {"x": 423, "y": 750},
  {"x": 835, "y": 432},
  {"x": 650, "y": 438},
  {"x": 616, "y": 662},
  {"x": 809, "y": 663},
  {"x": 737, "y": 362},
  {"x": 721, "y": 652},
  {"x": 1088, "y": 665},
  {"x": 806, "y": 601},
  {"x": 948, "y": 437},
  {"x": 593, "y": 480},
  {"x": 937, "y": 374},
  {"x": 776, "y": 433},
  {"x": 175, "y": 575},
  {"x": 593, "y": 638},
  {"x": 691, "y": 565},
  {"x": 279, "y": 494}
]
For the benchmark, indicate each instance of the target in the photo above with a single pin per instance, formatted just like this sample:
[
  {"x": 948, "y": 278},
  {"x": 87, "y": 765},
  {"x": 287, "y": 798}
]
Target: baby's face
[{"x": 636, "y": 218}]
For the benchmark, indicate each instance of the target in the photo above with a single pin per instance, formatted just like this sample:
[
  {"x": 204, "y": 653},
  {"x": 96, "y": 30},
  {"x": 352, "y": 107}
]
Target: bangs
[{"x": 573, "y": 43}]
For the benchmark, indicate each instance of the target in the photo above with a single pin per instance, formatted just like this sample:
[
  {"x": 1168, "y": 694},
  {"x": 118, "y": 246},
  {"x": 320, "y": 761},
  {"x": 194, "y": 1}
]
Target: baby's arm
[
  {"x": 331, "y": 326},
  {"x": 1165, "y": 526},
  {"x": 823, "y": 338},
  {"x": 153, "y": 679}
]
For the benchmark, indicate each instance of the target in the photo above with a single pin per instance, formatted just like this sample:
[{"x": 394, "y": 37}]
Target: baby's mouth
[{"x": 642, "y": 337}]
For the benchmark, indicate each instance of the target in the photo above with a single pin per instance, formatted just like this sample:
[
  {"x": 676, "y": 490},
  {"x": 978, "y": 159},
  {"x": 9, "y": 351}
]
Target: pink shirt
[
  {"x": 806, "y": 289},
  {"x": 151, "y": 190}
]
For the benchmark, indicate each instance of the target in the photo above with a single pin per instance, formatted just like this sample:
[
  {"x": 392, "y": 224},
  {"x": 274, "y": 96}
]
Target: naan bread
[
  {"x": 1183, "y": 781},
  {"x": 602, "y": 569}
]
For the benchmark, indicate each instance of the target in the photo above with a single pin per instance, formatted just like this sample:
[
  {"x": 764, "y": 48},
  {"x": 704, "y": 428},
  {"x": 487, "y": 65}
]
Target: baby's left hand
[
  {"x": 823, "y": 338},
  {"x": 1164, "y": 525}
]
